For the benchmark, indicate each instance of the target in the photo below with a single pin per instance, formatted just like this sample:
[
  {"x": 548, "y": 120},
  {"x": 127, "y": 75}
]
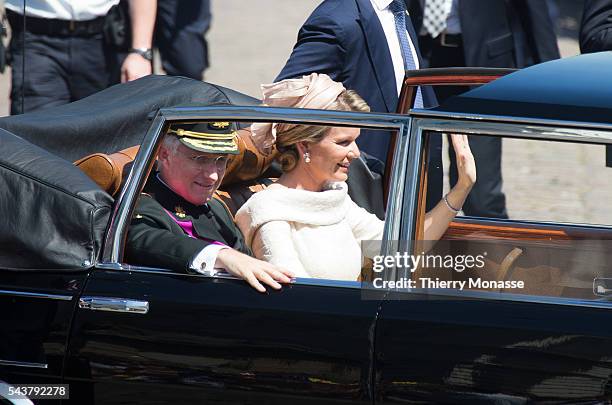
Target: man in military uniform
[{"x": 178, "y": 225}]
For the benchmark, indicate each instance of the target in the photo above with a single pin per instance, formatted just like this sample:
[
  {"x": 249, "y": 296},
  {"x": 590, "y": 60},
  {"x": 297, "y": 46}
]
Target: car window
[
  {"x": 556, "y": 239},
  {"x": 282, "y": 225},
  {"x": 561, "y": 182}
]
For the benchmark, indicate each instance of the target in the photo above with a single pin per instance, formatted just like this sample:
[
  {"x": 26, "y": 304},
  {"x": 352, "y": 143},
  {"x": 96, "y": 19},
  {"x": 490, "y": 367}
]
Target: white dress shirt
[
  {"x": 77, "y": 10},
  {"x": 387, "y": 20}
]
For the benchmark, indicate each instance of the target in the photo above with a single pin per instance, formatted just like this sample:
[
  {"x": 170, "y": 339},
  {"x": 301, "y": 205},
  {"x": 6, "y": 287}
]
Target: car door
[
  {"x": 150, "y": 335},
  {"x": 37, "y": 308},
  {"x": 548, "y": 340},
  {"x": 218, "y": 340}
]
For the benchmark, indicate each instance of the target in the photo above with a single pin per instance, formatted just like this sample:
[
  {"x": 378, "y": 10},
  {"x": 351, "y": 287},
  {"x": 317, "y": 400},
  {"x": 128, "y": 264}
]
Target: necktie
[
  {"x": 435, "y": 15},
  {"x": 397, "y": 7}
]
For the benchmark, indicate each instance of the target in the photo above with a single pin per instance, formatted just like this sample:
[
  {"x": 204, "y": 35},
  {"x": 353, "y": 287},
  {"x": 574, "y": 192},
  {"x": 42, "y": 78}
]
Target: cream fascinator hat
[{"x": 317, "y": 91}]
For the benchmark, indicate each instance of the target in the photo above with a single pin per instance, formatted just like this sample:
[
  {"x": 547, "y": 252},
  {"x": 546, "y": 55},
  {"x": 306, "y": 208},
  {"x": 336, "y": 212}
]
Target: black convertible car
[{"x": 74, "y": 312}]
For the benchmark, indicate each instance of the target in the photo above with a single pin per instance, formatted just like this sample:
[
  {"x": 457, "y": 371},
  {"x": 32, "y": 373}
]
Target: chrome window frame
[
  {"x": 120, "y": 217},
  {"x": 502, "y": 126}
]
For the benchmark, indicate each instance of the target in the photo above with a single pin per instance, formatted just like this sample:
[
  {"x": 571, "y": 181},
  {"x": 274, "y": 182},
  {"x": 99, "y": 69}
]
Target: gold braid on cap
[{"x": 203, "y": 135}]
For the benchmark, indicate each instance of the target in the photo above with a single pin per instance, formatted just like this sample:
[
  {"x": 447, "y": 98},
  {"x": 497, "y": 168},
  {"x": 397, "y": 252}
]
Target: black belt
[
  {"x": 54, "y": 27},
  {"x": 448, "y": 40}
]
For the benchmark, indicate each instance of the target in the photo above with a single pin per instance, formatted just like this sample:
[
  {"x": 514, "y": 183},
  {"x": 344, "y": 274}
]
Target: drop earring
[{"x": 306, "y": 157}]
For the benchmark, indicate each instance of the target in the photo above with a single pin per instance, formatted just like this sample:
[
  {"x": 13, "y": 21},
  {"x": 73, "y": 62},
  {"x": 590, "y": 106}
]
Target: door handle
[{"x": 114, "y": 304}]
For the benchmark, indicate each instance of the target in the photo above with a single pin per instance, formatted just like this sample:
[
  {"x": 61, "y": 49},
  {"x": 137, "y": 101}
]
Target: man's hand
[
  {"x": 142, "y": 18},
  {"x": 252, "y": 270},
  {"x": 134, "y": 67}
]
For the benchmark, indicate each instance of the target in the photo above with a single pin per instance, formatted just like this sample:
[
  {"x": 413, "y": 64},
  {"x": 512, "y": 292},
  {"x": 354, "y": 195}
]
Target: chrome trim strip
[
  {"x": 420, "y": 113},
  {"x": 22, "y": 364},
  {"x": 514, "y": 130},
  {"x": 408, "y": 225},
  {"x": 223, "y": 275},
  {"x": 408, "y": 216},
  {"x": 319, "y": 282},
  {"x": 111, "y": 266},
  {"x": 113, "y": 248},
  {"x": 114, "y": 305},
  {"x": 26, "y": 294},
  {"x": 139, "y": 269},
  {"x": 277, "y": 114},
  {"x": 396, "y": 194}
]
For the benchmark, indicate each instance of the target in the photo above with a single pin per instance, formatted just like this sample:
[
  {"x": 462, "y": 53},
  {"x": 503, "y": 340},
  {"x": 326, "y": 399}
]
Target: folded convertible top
[{"x": 53, "y": 215}]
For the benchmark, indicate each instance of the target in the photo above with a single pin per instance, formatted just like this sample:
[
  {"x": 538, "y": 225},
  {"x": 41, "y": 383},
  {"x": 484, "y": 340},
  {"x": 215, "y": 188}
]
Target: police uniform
[
  {"x": 168, "y": 231},
  {"x": 65, "y": 55}
]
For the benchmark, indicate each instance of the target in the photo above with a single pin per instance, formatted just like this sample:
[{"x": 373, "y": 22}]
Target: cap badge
[
  {"x": 219, "y": 125},
  {"x": 179, "y": 211}
]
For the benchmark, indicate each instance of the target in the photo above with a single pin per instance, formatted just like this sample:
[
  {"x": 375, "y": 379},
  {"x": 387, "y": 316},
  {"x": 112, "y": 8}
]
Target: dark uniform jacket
[{"x": 156, "y": 240}]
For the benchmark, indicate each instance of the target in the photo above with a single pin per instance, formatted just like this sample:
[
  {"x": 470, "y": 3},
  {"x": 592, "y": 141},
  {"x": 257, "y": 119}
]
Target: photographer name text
[{"x": 436, "y": 283}]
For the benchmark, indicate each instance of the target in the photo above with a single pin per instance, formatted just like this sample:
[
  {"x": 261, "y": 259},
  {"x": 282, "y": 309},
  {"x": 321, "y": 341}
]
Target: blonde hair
[{"x": 286, "y": 141}]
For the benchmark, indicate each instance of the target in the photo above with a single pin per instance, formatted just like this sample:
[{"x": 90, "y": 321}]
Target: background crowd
[
  {"x": 178, "y": 30},
  {"x": 75, "y": 48}
]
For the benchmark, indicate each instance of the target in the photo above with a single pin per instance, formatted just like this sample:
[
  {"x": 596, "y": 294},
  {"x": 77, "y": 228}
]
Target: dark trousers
[
  {"x": 179, "y": 36},
  {"x": 486, "y": 198},
  {"x": 58, "y": 70}
]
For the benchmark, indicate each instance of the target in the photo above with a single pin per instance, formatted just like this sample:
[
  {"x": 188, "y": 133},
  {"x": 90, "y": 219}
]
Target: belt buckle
[{"x": 446, "y": 44}]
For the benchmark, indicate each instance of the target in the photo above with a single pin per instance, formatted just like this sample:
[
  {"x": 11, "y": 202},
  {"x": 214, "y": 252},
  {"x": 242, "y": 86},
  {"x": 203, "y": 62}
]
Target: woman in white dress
[{"x": 306, "y": 222}]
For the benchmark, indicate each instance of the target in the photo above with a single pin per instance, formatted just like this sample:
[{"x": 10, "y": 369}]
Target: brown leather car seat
[
  {"x": 108, "y": 171},
  {"x": 240, "y": 181}
]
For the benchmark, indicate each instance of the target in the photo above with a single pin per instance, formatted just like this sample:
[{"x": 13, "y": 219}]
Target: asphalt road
[{"x": 251, "y": 40}]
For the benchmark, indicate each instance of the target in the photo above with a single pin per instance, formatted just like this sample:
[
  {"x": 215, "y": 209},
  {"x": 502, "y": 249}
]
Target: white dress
[{"x": 312, "y": 234}]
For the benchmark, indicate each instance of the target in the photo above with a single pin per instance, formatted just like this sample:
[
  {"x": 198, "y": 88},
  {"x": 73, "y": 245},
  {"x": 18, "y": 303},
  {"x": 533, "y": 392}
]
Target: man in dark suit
[
  {"x": 596, "y": 28},
  {"x": 492, "y": 33},
  {"x": 362, "y": 44},
  {"x": 178, "y": 225}
]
